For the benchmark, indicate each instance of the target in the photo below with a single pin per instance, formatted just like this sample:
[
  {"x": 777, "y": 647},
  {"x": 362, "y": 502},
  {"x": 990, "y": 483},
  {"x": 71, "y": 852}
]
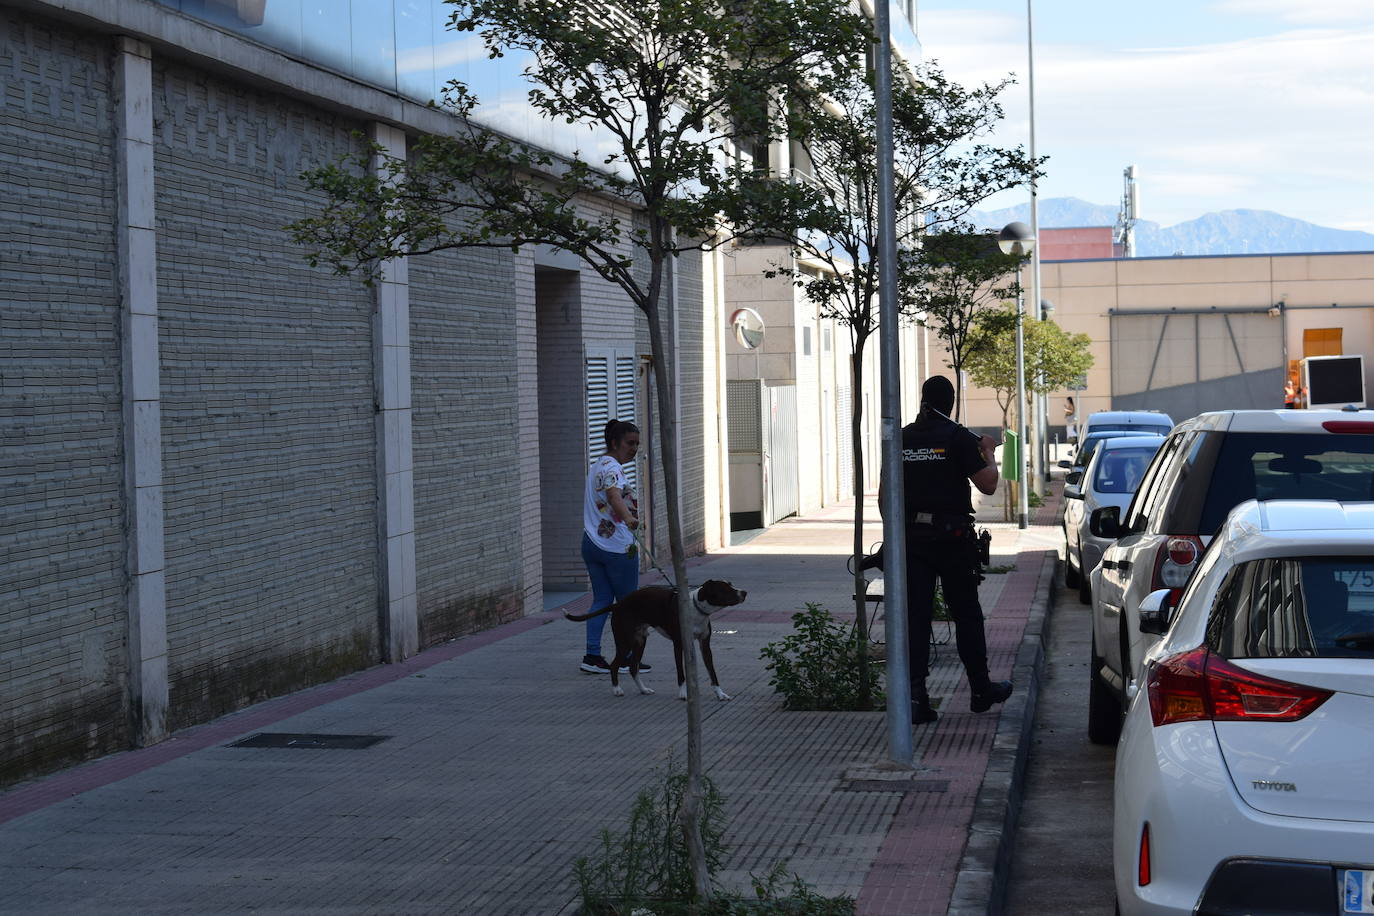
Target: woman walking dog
[{"x": 610, "y": 513}]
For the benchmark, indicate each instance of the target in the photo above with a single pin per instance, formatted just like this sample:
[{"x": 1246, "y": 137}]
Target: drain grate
[
  {"x": 901, "y": 786},
  {"x": 313, "y": 742}
]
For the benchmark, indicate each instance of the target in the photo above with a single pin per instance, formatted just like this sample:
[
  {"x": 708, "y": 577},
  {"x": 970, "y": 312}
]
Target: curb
[{"x": 980, "y": 885}]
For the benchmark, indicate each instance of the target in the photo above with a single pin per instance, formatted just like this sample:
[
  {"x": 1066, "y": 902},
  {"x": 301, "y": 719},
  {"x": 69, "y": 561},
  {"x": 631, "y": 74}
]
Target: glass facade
[{"x": 405, "y": 46}]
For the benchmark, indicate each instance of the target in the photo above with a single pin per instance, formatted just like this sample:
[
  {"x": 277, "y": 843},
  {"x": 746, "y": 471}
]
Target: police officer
[{"x": 939, "y": 459}]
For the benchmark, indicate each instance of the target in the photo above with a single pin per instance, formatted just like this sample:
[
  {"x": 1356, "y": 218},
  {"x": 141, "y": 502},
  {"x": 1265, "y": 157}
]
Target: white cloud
[{"x": 1300, "y": 11}]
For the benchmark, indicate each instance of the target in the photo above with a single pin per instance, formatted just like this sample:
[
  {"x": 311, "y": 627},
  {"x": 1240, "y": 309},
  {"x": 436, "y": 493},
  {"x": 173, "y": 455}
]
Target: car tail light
[
  {"x": 1142, "y": 868},
  {"x": 1196, "y": 685},
  {"x": 1174, "y": 563},
  {"x": 1349, "y": 426}
]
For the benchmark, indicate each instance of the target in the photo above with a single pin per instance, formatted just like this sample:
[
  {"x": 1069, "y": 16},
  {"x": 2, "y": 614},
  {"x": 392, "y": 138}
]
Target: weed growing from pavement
[
  {"x": 645, "y": 870},
  {"x": 816, "y": 667}
]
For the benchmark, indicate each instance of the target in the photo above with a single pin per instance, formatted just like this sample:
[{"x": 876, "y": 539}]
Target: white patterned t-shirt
[{"x": 607, "y": 529}]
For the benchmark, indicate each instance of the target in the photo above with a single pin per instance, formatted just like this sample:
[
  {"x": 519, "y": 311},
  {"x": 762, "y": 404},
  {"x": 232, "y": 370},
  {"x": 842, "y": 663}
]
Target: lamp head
[{"x": 1016, "y": 239}]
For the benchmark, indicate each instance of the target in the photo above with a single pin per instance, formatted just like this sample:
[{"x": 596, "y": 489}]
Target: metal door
[
  {"x": 781, "y": 457},
  {"x": 1184, "y": 363}
]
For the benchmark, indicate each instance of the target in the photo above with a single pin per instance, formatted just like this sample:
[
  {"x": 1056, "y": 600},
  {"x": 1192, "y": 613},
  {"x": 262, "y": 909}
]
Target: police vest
[{"x": 937, "y": 457}]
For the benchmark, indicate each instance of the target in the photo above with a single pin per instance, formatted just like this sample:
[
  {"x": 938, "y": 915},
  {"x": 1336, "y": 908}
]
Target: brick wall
[
  {"x": 267, "y": 404},
  {"x": 269, "y": 466},
  {"x": 466, "y": 442},
  {"x": 62, "y": 622}
]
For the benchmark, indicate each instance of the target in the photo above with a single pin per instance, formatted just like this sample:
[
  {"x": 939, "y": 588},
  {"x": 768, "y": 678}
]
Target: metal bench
[{"x": 874, "y": 594}]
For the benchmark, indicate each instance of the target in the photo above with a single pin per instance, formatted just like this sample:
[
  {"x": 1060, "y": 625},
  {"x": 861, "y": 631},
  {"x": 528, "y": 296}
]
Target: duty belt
[{"x": 941, "y": 522}]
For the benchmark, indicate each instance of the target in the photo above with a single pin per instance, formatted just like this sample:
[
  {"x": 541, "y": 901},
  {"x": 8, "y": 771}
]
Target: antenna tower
[{"x": 1124, "y": 231}]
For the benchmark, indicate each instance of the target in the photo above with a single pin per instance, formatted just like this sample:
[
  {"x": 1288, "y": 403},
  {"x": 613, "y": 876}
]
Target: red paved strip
[{"x": 918, "y": 863}]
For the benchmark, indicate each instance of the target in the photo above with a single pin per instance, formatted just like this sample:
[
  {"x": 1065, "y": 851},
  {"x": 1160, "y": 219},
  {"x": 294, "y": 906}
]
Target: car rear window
[
  {"x": 1120, "y": 470},
  {"x": 1286, "y": 466},
  {"x": 1296, "y": 607},
  {"x": 1160, "y": 429}
]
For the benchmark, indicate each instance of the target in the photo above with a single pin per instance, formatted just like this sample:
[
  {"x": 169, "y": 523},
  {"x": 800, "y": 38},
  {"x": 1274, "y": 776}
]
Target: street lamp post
[
  {"x": 1046, "y": 310},
  {"x": 1017, "y": 239}
]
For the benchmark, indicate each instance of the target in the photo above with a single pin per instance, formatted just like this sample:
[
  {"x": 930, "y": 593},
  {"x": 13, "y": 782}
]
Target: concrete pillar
[
  {"x": 147, "y": 599},
  {"x": 395, "y": 469},
  {"x": 527, "y": 368}
]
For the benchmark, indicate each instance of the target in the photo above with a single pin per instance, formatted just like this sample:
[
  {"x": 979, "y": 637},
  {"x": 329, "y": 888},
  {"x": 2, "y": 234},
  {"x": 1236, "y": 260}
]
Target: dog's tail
[{"x": 581, "y": 617}]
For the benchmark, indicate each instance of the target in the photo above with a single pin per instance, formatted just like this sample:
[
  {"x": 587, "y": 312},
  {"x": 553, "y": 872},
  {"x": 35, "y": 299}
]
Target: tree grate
[
  {"x": 311, "y": 742},
  {"x": 900, "y": 786}
]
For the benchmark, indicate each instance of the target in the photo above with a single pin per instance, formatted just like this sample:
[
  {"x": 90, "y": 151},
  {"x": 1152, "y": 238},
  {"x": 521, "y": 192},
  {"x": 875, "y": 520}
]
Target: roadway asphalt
[{"x": 501, "y": 763}]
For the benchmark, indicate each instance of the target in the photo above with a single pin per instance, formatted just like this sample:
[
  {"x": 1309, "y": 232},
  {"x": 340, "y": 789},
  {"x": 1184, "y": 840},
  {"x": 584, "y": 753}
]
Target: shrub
[
  {"x": 644, "y": 871},
  {"x": 817, "y": 667}
]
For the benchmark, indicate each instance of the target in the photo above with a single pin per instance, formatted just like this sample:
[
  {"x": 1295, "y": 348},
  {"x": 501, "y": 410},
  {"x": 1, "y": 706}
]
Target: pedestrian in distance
[
  {"x": 610, "y": 515},
  {"x": 1070, "y": 428},
  {"x": 939, "y": 460}
]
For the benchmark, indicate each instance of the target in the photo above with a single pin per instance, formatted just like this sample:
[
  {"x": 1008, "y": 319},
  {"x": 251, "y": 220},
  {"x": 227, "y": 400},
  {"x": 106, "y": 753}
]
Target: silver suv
[{"x": 1206, "y": 466}]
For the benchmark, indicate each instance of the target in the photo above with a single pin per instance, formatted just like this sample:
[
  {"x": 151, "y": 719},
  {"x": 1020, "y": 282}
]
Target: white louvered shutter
[{"x": 610, "y": 374}]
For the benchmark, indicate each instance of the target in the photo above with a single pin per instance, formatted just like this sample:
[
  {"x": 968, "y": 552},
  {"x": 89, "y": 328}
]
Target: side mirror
[
  {"x": 1073, "y": 478},
  {"x": 1155, "y": 610},
  {"x": 1106, "y": 522},
  {"x": 1072, "y": 491},
  {"x": 1065, "y": 463}
]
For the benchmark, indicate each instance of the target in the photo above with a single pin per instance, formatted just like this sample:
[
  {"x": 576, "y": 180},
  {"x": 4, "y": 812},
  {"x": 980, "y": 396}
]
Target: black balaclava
[{"x": 938, "y": 393}]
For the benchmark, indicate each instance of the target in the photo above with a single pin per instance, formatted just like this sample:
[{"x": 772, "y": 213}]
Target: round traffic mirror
[{"x": 748, "y": 325}]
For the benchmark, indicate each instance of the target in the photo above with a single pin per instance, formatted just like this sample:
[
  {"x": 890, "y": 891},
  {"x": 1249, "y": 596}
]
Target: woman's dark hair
[{"x": 617, "y": 430}]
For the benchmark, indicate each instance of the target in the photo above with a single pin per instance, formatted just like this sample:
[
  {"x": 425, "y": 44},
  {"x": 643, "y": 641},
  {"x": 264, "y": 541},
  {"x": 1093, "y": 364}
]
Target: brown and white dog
[{"x": 655, "y": 607}]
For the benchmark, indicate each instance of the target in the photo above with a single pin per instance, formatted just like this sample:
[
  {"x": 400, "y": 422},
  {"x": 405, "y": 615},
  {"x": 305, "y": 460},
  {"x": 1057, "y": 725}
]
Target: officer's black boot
[
  {"x": 921, "y": 710},
  {"x": 995, "y": 692}
]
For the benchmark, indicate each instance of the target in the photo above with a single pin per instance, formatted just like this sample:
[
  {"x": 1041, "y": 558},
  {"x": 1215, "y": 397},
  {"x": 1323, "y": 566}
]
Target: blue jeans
[{"x": 614, "y": 575}]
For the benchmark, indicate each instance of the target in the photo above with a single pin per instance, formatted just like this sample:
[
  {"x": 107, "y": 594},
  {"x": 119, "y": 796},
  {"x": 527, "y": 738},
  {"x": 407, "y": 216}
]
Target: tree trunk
[
  {"x": 856, "y": 414},
  {"x": 693, "y": 793}
]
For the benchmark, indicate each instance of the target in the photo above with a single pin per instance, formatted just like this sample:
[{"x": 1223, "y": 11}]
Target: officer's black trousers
[{"x": 954, "y": 561}]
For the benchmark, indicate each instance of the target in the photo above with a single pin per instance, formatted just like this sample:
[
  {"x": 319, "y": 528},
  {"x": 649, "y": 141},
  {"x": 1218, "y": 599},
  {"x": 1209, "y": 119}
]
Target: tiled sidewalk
[{"x": 503, "y": 763}]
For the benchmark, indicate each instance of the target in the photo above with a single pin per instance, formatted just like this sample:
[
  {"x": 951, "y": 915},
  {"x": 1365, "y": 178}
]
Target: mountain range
[{"x": 1227, "y": 232}]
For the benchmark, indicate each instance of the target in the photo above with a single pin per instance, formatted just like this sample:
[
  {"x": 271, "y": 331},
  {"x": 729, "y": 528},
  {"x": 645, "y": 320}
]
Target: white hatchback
[{"x": 1242, "y": 775}]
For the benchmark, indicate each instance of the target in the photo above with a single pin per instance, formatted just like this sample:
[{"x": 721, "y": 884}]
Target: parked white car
[
  {"x": 1206, "y": 466},
  {"x": 1242, "y": 776},
  {"x": 1114, "y": 471}
]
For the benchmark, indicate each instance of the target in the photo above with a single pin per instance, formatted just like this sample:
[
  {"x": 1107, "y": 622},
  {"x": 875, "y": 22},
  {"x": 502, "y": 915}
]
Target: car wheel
[
  {"x": 1072, "y": 577},
  {"x": 1104, "y": 712},
  {"x": 1085, "y": 586}
]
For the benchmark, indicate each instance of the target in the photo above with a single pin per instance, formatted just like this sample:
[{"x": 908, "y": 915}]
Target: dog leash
[{"x": 649, "y": 553}]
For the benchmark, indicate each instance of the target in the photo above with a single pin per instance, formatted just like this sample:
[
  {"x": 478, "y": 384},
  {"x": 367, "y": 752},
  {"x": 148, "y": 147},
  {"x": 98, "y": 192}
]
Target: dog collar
[{"x": 697, "y": 604}]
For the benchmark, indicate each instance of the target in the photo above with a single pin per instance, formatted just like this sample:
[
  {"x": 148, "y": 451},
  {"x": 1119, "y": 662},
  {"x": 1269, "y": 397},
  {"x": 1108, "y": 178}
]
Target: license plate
[{"x": 1357, "y": 890}]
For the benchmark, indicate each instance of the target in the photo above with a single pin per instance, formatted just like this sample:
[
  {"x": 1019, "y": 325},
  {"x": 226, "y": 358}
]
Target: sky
[{"x": 1220, "y": 104}]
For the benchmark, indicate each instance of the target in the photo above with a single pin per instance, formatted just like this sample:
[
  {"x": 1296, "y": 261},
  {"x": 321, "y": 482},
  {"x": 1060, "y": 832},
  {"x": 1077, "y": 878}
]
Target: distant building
[
  {"x": 1079, "y": 243},
  {"x": 1191, "y": 334}
]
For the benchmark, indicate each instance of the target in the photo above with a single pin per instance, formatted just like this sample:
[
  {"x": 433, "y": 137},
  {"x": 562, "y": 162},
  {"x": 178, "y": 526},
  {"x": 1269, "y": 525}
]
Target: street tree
[
  {"x": 941, "y": 169},
  {"x": 1053, "y": 359},
  {"x": 956, "y": 276},
  {"x": 677, "y": 88}
]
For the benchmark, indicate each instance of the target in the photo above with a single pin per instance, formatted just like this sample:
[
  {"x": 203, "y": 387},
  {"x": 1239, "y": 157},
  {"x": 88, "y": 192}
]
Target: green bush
[
  {"x": 817, "y": 667},
  {"x": 645, "y": 871}
]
